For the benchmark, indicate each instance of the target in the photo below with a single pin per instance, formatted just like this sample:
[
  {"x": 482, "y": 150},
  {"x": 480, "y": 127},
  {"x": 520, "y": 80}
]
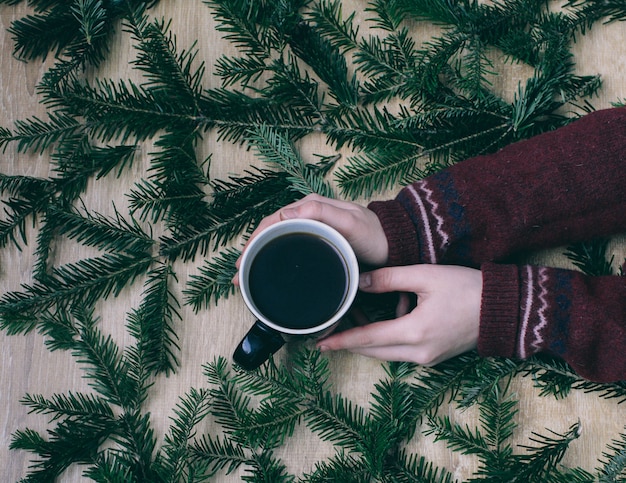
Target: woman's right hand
[{"x": 359, "y": 225}]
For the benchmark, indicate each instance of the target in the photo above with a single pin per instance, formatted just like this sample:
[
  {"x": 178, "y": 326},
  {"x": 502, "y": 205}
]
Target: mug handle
[{"x": 257, "y": 346}]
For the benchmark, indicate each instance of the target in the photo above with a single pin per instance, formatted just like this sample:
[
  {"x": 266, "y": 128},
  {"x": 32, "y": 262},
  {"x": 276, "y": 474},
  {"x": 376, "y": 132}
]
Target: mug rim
[{"x": 330, "y": 235}]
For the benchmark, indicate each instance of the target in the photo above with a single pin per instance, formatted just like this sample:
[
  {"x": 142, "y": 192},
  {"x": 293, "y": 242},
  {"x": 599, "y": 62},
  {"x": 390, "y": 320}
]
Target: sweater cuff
[
  {"x": 402, "y": 238},
  {"x": 499, "y": 313}
]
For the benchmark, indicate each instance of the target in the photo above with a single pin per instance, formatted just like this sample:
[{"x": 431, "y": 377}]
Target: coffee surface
[{"x": 298, "y": 281}]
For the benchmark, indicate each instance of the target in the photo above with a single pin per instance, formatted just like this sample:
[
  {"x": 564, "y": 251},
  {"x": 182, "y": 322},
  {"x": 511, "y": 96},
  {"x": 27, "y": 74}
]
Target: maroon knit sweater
[{"x": 556, "y": 188}]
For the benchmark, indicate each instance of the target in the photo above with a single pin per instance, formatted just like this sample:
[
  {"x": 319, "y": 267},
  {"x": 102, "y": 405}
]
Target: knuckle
[
  {"x": 382, "y": 278},
  {"x": 424, "y": 357},
  {"x": 364, "y": 338},
  {"x": 312, "y": 197},
  {"x": 414, "y": 338},
  {"x": 312, "y": 208}
]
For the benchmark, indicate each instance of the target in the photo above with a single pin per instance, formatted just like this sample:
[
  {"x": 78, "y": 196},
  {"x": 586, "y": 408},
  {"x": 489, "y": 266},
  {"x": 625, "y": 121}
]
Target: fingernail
[
  {"x": 365, "y": 280},
  {"x": 288, "y": 213},
  {"x": 323, "y": 348}
]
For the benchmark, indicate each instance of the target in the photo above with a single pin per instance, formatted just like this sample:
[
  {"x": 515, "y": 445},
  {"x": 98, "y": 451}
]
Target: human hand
[
  {"x": 444, "y": 324},
  {"x": 359, "y": 225}
]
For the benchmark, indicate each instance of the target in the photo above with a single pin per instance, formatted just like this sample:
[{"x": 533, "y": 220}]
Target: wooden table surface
[{"x": 27, "y": 367}]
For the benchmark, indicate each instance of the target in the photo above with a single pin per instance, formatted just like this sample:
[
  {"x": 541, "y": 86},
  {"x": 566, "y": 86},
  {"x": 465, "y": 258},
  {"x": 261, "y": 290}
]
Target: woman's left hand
[{"x": 445, "y": 322}]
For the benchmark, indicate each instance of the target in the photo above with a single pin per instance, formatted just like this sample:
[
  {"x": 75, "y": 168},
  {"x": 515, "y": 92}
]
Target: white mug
[{"x": 298, "y": 278}]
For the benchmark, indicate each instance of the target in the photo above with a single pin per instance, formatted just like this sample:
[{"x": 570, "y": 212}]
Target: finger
[
  {"x": 397, "y": 353},
  {"x": 311, "y": 206},
  {"x": 377, "y": 334},
  {"x": 412, "y": 279},
  {"x": 339, "y": 214}
]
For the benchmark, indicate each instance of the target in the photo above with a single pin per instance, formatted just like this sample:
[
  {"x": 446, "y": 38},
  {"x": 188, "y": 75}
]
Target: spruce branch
[
  {"x": 591, "y": 257},
  {"x": 175, "y": 455},
  {"x": 614, "y": 461},
  {"x": 106, "y": 370},
  {"x": 92, "y": 229},
  {"x": 541, "y": 462},
  {"x": 70, "y": 442},
  {"x": 277, "y": 150},
  {"x": 213, "y": 281},
  {"x": 152, "y": 323},
  {"x": 72, "y": 405},
  {"x": 238, "y": 19},
  {"x": 415, "y": 468},
  {"x": 85, "y": 281},
  {"x": 37, "y": 135},
  {"x": 166, "y": 67},
  {"x": 213, "y": 454}
]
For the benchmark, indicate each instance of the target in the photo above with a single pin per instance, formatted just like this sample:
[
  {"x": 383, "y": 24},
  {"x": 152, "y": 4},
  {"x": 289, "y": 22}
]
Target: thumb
[{"x": 395, "y": 279}]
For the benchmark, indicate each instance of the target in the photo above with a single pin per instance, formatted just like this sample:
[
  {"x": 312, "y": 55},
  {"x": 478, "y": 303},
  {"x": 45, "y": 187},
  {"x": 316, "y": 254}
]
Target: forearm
[
  {"x": 527, "y": 310},
  {"x": 559, "y": 187}
]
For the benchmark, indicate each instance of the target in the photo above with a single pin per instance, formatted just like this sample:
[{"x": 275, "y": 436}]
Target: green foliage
[{"x": 403, "y": 103}]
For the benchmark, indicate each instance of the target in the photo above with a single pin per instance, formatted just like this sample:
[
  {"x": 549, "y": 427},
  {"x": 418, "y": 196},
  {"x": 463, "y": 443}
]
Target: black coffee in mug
[{"x": 298, "y": 280}]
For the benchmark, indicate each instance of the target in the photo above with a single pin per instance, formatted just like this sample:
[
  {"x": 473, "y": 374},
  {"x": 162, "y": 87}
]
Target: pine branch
[
  {"x": 19, "y": 211},
  {"x": 114, "y": 235},
  {"x": 394, "y": 411},
  {"x": 176, "y": 451},
  {"x": 70, "y": 442},
  {"x": 77, "y": 406},
  {"x": 415, "y": 468},
  {"x": 231, "y": 406},
  {"x": 275, "y": 149},
  {"x": 43, "y": 34},
  {"x": 167, "y": 69},
  {"x": 238, "y": 20},
  {"x": 407, "y": 106},
  {"x": 153, "y": 203},
  {"x": 212, "y": 454},
  {"x": 85, "y": 281},
  {"x": 328, "y": 64},
  {"x": 458, "y": 438},
  {"x": 591, "y": 257},
  {"x": 109, "y": 468},
  {"x": 106, "y": 370},
  {"x": 234, "y": 114},
  {"x": 36, "y": 135},
  {"x": 138, "y": 442},
  {"x": 340, "y": 467},
  {"x": 614, "y": 461},
  {"x": 152, "y": 324},
  {"x": 327, "y": 16},
  {"x": 541, "y": 461},
  {"x": 213, "y": 282},
  {"x": 556, "y": 378},
  {"x": 177, "y": 172}
]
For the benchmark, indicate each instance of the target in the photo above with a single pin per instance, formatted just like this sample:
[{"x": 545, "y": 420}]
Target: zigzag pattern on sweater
[
  {"x": 435, "y": 237},
  {"x": 534, "y": 305}
]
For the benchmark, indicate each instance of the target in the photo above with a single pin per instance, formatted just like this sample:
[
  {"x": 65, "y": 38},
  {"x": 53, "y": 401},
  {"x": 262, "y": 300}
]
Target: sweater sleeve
[
  {"x": 528, "y": 310},
  {"x": 559, "y": 187}
]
